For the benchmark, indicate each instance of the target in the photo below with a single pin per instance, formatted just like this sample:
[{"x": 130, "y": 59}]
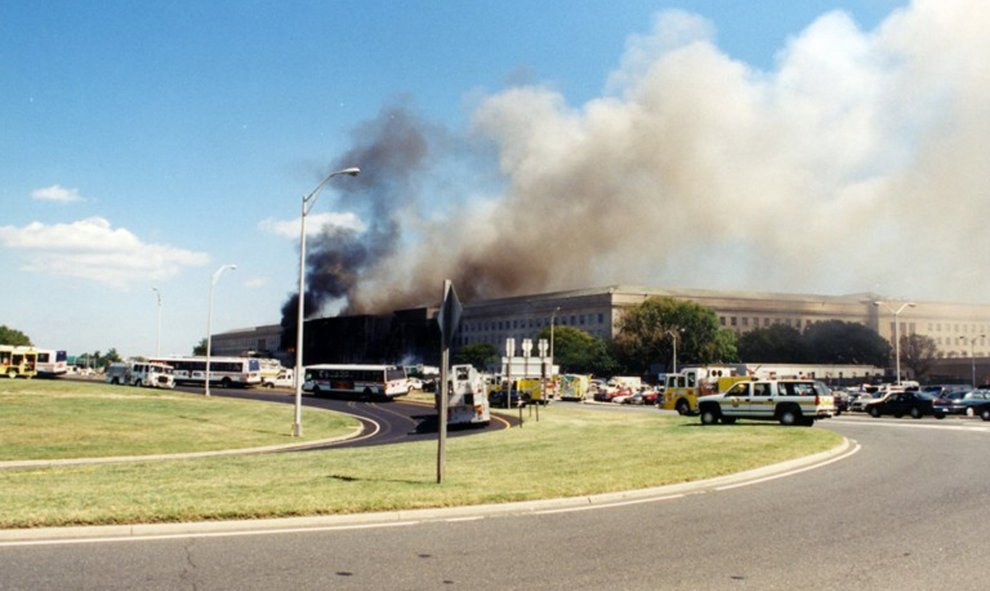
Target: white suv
[{"x": 792, "y": 402}]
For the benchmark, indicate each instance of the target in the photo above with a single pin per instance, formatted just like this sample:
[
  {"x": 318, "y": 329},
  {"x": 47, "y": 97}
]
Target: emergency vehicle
[
  {"x": 467, "y": 402},
  {"x": 682, "y": 390}
]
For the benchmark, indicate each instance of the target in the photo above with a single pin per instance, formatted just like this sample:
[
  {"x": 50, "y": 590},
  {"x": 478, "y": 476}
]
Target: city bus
[
  {"x": 227, "y": 372},
  {"x": 18, "y": 362},
  {"x": 51, "y": 363},
  {"x": 365, "y": 381}
]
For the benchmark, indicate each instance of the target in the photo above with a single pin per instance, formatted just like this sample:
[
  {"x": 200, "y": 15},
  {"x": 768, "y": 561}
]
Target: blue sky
[{"x": 146, "y": 144}]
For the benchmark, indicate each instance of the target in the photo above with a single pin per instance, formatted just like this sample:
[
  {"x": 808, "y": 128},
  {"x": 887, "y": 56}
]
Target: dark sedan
[
  {"x": 916, "y": 404},
  {"x": 962, "y": 403}
]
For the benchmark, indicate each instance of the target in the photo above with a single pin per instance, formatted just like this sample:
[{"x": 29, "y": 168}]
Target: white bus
[
  {"x": 467, "y": 403},
  {"x": 366, "y": 381},
  {"x": 227, "y": 372},
  {"x": 51, "y": 363}
]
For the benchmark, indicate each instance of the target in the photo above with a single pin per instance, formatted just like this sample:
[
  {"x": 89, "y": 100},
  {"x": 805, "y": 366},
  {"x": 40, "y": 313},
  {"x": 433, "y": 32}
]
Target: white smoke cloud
[
  {"x": 57, "y": 193},
  {"x": 315, "y": 223},
  {"x": 859, "y": 162},
  {"x": 92, "y": 249}
]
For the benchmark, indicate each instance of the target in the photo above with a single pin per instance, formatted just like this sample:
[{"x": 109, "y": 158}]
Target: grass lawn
[
  {"x": 54, "y": 419},
  {"x": 571, "y": 451}
]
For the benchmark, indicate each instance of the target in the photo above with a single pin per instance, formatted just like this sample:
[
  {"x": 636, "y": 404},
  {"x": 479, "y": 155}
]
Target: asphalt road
[
  {"x": 385, "y": 422},
  {"x": 903, "y": 513}
]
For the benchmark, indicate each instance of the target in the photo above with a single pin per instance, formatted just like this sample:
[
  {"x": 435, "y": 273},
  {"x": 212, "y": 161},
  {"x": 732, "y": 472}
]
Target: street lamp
[
  {"x": 897, "y": 332},
  {"x": 673, "y": 335},
  {"x": 553, "y": 321},
  {"x": 307, "y": 203},
  {"x": 972, "y": 355},
  {"x": 158, "y": 335},
  {"x": 209, "y": 322}
]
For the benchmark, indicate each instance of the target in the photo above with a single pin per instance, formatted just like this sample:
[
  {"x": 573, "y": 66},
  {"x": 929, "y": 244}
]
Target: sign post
[
  {"x": 510, "y": 352},
  {"x": 449, "y": 318}
]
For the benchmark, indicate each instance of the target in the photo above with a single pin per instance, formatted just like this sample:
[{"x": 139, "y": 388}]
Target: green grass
[
  {"x": 60, "y": 419},
  {"x": 571, "y": 451}
]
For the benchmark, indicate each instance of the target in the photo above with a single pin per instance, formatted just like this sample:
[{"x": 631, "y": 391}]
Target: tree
[
  {"x": 644, "y": 334},
  {"x": 200, "y": 349},
  {"x": 10, "y": 336},
  {"x": 778, "y": 343},
  {"x": 918, "y": 353},
  {"x": 835, "y": 341},
  {"x": 480, "y": 355},
  {"x": 576, "y": 351}
]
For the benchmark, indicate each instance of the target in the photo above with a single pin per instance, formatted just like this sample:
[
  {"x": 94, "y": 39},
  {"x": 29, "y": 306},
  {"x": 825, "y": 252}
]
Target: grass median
[
  {"x": 57, "y": 419},
  {"x": 572, "y": 451}
]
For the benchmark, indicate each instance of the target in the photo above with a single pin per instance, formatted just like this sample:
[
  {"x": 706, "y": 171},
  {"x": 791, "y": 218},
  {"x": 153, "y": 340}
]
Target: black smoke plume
[{"x": 390, "y": 151}]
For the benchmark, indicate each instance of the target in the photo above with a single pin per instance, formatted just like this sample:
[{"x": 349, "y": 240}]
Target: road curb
[{"x": 406, "y": 517}]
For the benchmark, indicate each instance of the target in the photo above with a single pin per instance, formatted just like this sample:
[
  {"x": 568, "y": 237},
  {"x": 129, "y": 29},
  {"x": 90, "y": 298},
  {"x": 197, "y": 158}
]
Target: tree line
[{"x": 647, "y": 333}]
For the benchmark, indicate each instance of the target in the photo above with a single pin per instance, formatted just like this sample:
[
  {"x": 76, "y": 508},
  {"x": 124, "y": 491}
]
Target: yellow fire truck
[{"x": 682, "y": 389}]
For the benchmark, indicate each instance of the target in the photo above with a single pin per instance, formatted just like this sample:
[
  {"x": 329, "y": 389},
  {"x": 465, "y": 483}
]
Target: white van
[{"x": 140, "y": 374}]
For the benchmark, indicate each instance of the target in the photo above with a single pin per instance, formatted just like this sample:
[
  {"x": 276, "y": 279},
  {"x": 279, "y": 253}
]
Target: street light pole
[
  {"x": 897, "y": 332},
  {"x": 209, "y": 323},
  {"x": 307, "y": 204},
  {"x": 553, "y": 321},
  {"x": 673, "y": 336},
  {"x": 158, "y": 335},
  {"x": 972, "y": 355}
]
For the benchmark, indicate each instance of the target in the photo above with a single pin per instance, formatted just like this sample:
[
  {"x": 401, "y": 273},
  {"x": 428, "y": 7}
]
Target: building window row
[
  {"x": 957, "y": 328},
  {"x": 533, "y": 323}
]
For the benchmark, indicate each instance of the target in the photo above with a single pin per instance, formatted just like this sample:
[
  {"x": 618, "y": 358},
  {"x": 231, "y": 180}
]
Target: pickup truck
[{"x": 792, "y": 402}]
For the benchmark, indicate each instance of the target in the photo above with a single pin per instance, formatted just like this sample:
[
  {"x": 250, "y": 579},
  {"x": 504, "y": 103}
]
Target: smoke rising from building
[{"x": 859, "y": 162}]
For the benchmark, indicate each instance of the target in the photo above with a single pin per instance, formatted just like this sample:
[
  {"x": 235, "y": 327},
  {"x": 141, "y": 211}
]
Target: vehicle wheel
[
  {"x": 709, "y": 416},
  {"x": 225, "y": 382},
  {"x": 916, "y": 413},
  {"x": 12, "y": 374},
  {"x": 874, "y": 412},
  {"x": 940, "y": 415},
  {"x": 985, "y": 414},
  {"x": 114, "y": 382},
  {"x": 788, "y": 417},
  {"x": 682, "y": 407}
]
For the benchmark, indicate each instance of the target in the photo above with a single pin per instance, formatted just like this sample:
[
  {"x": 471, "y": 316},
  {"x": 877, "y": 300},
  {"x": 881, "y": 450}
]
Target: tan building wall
[{"x": 954, "y": 327}]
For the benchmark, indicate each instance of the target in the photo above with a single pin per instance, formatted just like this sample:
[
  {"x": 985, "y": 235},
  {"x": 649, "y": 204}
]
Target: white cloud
[
  {"x": 315, "y": 223},
  {"x": 57, "y": 193},
  {"x": 256, "y": 282},
  {"x": 91, "y": 249}
]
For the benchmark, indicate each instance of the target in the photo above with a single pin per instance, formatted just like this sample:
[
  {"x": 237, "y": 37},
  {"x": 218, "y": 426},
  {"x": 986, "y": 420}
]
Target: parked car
[
  {"x": 496, "y": 399},
  {"x": 651, "y": 396},
  {"x": 898, "y": 404},
  {"x": 642, "y": 397},
  {"x": 962, "y": 403},
  {"x": 842, "y": 401},
  {"x": 619, "y": 395},
  {"x": 982, "y": 410}
]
